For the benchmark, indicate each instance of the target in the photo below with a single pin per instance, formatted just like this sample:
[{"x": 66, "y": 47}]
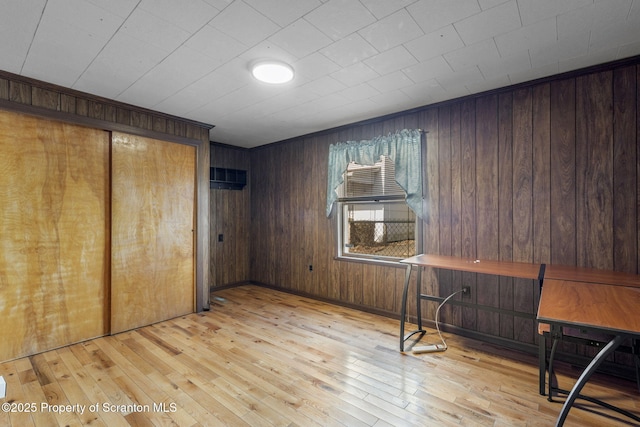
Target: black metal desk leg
[
  {"x": 542, "y": 362},
  {"x": 584, "y": 377},
  {"x": 403, "y": 309}
]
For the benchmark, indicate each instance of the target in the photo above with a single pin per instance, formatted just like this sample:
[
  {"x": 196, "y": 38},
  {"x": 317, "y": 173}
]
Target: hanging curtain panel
[{"x": 402, "y": 147}]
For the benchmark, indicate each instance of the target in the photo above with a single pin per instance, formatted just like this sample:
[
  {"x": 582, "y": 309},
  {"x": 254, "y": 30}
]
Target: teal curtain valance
[{"x": 402, "y": 147}]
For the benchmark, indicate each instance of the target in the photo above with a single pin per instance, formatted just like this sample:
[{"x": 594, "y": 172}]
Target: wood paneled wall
[
  {"x": 230, "y": 217},
  {"x": 545, "y": 172},
  {"x": 21, "y": 94}
]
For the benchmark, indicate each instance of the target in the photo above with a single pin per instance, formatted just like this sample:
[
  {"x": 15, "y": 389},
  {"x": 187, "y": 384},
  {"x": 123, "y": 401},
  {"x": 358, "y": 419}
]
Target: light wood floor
[{"x": 262, "y": 358}]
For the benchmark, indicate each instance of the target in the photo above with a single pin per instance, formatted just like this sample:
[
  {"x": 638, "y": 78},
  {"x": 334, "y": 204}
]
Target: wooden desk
[
  {"x": 591, "y": 275},
  {"x": 598, "y": 307},
  {"x": 522, "y": 270}
]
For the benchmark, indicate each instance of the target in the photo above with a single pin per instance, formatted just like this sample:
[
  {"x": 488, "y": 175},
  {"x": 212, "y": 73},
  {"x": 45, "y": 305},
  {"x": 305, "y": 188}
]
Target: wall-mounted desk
[
  {"x": 598, "y": 307},
  {"x": 522, "y": 270},
  {"x": 600, "y": 302}
]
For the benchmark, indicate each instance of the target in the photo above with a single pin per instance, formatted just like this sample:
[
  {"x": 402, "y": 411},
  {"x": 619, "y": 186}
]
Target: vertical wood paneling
[
  {"x": 637, "y": 185},
  {"x": 297, "y": 265},
  {"x": 487, "y": 193},
  {"x": 430, "y": 236},
  {"x": 444, "y": 157},
  {"x": 54, "y": 181},
  {"x": 624, "y": 169},
  {"x": 280, "y": 219},
  {"x": 594, "y": 170},
  {"x": 522, "y": 206},
  {"x": 487, "y": 226},
  {"x": 563, "y": 172},
  {"x": 456, "y": 202},
  {"x": 505, "y": 204},
  {"x": 230, "y": 216},
  {"x": 541, "y": 175},
  {"x": 545, "y": 172},
  {"x": 468, "y": 199}
]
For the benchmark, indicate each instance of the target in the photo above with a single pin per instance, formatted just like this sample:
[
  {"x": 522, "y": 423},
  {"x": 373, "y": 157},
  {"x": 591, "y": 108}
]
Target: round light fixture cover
[{"x": 274, "y": 72}]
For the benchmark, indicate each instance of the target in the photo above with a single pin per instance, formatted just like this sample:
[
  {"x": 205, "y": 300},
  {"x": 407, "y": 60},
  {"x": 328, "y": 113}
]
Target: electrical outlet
[
  {"x": 3, "y": 388},
  {"x": 466, "y": 289}
]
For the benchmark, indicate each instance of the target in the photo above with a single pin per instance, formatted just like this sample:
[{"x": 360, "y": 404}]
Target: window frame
[{"x": 342, "y": 204}]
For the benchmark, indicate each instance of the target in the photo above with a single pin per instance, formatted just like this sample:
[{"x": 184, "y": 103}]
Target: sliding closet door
[
  {"x": 54, "y": 181},
  {"x": 152, "y": 240}
]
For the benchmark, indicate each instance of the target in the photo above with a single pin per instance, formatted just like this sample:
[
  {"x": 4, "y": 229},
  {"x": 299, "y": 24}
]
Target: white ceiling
[{"x": 354, "y": 59}]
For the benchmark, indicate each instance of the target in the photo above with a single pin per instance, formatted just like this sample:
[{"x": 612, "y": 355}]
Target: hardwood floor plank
[
  {"x": 73, "y": 392},
  {"x": 266, "y": 358}
]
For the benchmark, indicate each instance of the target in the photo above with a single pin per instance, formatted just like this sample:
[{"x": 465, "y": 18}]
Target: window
[{"x": 374, "y": 219}]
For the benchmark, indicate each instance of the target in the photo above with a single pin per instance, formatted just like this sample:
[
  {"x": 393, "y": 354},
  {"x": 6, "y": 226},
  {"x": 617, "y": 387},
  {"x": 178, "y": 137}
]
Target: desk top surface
[
  {"x": 591, "y": 275},
  {"x": 523, "y": 270},
  {"x": 607, "y": 307}
]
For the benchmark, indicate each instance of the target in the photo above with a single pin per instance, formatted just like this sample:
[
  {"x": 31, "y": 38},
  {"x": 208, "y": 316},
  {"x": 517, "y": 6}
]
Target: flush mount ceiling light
[{"x": 274, "y": 72}]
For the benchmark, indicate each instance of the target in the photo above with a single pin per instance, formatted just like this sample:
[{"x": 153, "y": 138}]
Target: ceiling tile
[
  {"x": 339, "y": 18},
  {"x": 505, "y": 65},
  {"x": 71, "y": 29},
  {"x": 493, "y": 82},
  {"x": 629, "y": 50},
  {"x": 612, "y": 26},
  {"x": 426, "y": 70},
  {"x": 349, "y": 50},
  {"x": 300, "y": 39},
  {"x": 215, "y": 44},
  {"x": 154, "y": 30},
  {"x": 359, "y": 92},
  {"x": 189, "y": 15},
  {"x": 391, "y": 82},
  {"x": 324, "y": 85},
  {"x": 355, "y": 74},
  {"x": 219, "y": 4},
  {"x": 123, "y": 61},
  {"x": 382, "y": 8},
  {"x": 568, "y": 47},
  {"x": 391, "y": 60},
  {"x": 425, "y": 92},
  {"x": 472, "y": 55},
  {"x": 577, "y": 62},
  {"x": 396, "y": 98},
  {"x": 354, "y": 59},
  {"x": 284, "y": 12},
  {"x": 121, "y": 8},
  {"x": 55, "y": 40},
  {"x": 531, "y": 37},
  {"x": 489, "y": 23},
  {"x": 244, "y": 23},
  {"x": 86, "y": 18},
  {"x": 183, "y": 67},
  {"x": 314, "y": 66},
  {"x": 434, "y": 14},
  {"x": 534, "y": 73},
  {"x": 17, "y": 27},
  {"x": 391, "y": 31},
  {"x": 435, "y": 44},
  {"x": 488, "y": 4},
  {"x": 532, "y": 11}
]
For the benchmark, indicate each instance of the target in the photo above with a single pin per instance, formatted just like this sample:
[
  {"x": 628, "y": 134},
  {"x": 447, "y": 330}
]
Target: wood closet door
[
  {"x": 152, "y": 246},
  {"x": 54, "y": 193}
]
